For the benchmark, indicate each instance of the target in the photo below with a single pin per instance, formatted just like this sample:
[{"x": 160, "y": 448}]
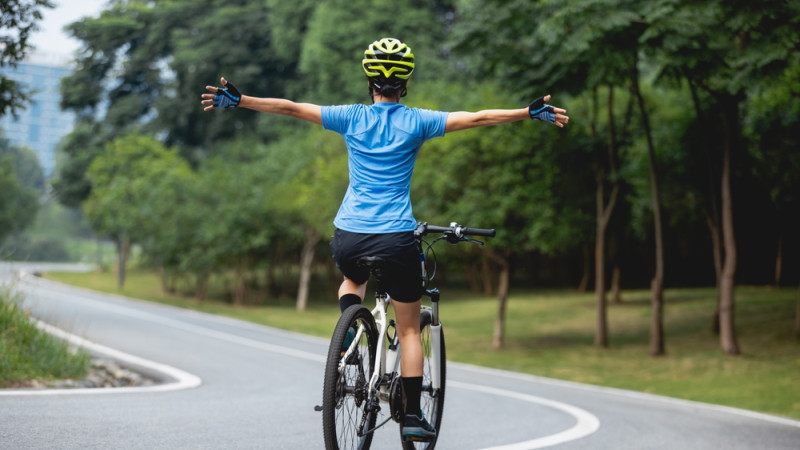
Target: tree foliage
[
  {"x": 20, "y": 187},
  {"x": 18, "y": 20},
  {"x": 242, "y": 193}
]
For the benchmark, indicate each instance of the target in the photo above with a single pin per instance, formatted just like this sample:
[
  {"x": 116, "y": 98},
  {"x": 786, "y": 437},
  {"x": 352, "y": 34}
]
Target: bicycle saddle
[{"x": 371, "y": 262}]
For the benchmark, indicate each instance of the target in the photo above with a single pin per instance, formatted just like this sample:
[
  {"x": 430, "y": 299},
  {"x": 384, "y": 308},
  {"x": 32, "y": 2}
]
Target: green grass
[
  {"x": 28, "y": 353},
  {"x": 550, "y": 333}
]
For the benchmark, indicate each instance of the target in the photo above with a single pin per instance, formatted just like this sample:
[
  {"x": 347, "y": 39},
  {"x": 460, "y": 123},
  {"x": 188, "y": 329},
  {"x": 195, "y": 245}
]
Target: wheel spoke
[{"x": 345, "y": 405}]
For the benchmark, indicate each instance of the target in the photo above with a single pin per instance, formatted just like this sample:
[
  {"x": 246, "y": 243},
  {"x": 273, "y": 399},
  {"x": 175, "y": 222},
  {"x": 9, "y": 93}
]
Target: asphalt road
[{"x": 234, "y": 385}]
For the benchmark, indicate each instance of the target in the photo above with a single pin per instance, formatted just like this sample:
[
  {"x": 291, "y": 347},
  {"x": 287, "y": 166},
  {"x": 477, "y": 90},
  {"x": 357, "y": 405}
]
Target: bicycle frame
[{"x": 390, "y": 359}]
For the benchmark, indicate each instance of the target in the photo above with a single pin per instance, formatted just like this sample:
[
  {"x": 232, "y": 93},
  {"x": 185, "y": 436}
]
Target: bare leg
[
  {"x": 350, "y": 287},
  {"x": 407, "y": 315}
]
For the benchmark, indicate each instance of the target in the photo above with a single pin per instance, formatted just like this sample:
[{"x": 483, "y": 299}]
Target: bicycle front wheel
[
  {"x": 348, "y": 418},
  {"x": 432, "y": 400}
]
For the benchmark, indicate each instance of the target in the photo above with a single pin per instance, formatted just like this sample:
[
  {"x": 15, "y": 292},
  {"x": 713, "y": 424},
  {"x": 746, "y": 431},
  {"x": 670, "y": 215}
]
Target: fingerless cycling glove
[
  {"x": 538, "y": 110},
  {"x": 227, "y": 97}
]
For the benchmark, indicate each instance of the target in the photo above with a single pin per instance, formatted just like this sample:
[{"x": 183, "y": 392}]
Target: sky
[{"x": 50, "y": 40}]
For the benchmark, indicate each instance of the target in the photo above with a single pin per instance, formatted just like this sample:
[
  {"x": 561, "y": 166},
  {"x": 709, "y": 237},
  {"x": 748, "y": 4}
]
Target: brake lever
[{"x": 474, "y": 241}]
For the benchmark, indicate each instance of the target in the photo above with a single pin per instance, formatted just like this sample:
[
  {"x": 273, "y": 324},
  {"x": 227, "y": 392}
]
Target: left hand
[{"x": 540, "y": 110}]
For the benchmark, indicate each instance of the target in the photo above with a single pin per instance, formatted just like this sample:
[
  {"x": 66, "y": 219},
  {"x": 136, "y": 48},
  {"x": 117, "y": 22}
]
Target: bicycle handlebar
[{"x": 453, "y": 231}]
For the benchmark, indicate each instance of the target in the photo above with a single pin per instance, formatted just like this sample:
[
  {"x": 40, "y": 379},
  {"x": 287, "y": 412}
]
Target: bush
[
  {"x": 27, "y": 352},
  {"x": 22, "y": 248}
]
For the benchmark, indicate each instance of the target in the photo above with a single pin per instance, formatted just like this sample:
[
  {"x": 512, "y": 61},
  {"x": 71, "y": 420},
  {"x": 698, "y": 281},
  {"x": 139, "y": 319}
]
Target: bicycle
[{"x": 362, "y": 374}]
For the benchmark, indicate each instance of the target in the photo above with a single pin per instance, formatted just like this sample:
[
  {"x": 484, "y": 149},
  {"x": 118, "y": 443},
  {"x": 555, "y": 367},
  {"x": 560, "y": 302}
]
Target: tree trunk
[
  {"x": 306, "y": 262},
  {"x": 123, "y": 250},
  {"x": 616, "y": 291},
  {"x": 502, "y": 299},
  {"x": 601, "y": 325},
  {"x": 587, "y": 267},
  {"x": 727, "y": 323},
  {"x": 616, "y": 272},
  {"x": 240, "y": 282},
  {"x": 162, "y": 275},
  {"x": 797, "y": 317},
  {"x": 712, "y": 217},
  {"x": 269, "y": 279},
  {"x": 603, "y": 216},
  {"x": 201, "y": 286},
  {"x": 503, "y": 285},
  {"x": 713, "y": 228},
  {"x": 657, "y": 283},
  {"x": 657, "y": 345},
  {"x": 779, "y": 261},
  {"x": 487, "y": 273}
]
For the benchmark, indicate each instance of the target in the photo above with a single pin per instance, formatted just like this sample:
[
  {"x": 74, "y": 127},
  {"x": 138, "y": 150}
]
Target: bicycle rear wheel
[
  {"x": 432, "y": 400},
  {"x": 346, "y": 413}
]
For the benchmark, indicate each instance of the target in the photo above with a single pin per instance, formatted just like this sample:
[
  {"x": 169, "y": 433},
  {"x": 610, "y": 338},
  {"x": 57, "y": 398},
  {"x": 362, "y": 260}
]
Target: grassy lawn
[{"x": 550, "y": 333}]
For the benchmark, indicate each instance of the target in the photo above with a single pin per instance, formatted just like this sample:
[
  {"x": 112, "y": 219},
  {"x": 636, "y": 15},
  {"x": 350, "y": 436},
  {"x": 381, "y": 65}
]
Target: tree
[
  {"x": 255, "y": 45},
  {"x": 313, "y": 195},
  {"x": 728, "y": 47},
  {"x": 112, "y": 90},
  {"x": 26, "y": 164},
  {"x": 499, "y": 177},
  {"x": 771, "y": 118},
  {"x": 592, "y": 53},
  {"x": 126, "y": 184},
  {"x": 18, "y": 21},
  {"x": 20, "y": 186},
  {"x": 143, "y": 63},
  {"x": 18, "y": 203},
  {"x": 338, "y": 32},
  {"x": 77, "y": 150}
]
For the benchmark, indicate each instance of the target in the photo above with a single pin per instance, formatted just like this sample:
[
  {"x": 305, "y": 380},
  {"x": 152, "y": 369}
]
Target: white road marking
[
  {"x": 177, "y": 324},
  {"x": 630, "y": 394},
  {"x": 183, "y": 380},
  {"x": 586, "y": 423}
]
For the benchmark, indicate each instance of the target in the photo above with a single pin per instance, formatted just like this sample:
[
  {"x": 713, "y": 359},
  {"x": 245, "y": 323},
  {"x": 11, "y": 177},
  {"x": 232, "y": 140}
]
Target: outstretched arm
[
  {"x": 463, "y": 120},
  {"x": 229, "y": 96}
]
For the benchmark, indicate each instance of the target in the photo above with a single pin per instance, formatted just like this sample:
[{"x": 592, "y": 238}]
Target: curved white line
[
  {"x": 184, "y": 326},
  {"x": 183, "y": 380},
  {"x": 645, "y": 396},
  {"x": 586, "y": 424}
]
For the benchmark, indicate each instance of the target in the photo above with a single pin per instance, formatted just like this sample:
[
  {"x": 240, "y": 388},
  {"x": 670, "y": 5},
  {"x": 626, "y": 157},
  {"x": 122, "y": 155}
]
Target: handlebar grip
[
  {"x": 489, "y": 232},
  {"x": 454, "y": 230},
  {"x": 437, "y": 229}
]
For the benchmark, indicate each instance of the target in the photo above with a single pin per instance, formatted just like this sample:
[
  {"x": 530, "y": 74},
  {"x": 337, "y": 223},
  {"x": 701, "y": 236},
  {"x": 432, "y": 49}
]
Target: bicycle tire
[
  {"x": 345, "y": 395},
  {"x": 432, "y": 403}
]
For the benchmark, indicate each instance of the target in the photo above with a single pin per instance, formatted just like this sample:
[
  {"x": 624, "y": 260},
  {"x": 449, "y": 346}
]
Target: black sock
[
  {"x": 348, "y": 300},
  {"x": 412, "y": 388}
]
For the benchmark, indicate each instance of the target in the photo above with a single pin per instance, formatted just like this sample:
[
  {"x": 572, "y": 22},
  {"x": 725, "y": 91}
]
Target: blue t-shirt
[{"x": 382, "y": 145}]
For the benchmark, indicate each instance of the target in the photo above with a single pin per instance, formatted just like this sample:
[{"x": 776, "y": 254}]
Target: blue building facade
[{"x": 42, "y": 124}]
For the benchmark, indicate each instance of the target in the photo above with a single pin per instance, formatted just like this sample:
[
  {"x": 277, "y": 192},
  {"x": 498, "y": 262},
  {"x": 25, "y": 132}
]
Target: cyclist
[{"x": 375, "y": 217}]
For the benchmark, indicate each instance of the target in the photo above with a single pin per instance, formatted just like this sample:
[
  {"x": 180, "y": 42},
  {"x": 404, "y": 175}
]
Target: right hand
[{"x": 225, "y": 97}]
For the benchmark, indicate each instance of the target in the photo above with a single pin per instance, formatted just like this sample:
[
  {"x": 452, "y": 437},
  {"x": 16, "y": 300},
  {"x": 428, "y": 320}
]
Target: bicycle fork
[{"x": 436, "y": 339}]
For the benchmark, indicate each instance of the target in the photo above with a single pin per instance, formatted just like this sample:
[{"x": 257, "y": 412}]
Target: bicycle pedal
[{"x": 318, "y": 408}]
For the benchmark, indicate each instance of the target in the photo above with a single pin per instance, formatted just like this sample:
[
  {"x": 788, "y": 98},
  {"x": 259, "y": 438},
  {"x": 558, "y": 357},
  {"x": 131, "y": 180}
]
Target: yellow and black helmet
[{"x": 388, "y": 59}]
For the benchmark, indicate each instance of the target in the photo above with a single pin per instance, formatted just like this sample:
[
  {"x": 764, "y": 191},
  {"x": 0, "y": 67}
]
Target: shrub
[{"x": 27, "y": 352}]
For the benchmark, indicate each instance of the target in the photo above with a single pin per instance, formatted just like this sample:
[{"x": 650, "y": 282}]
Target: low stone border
[{"x": 103, "y": 373}]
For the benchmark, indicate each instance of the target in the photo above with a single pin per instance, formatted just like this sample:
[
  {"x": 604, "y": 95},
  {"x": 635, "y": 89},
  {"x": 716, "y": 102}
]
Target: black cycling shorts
[{"x": 403, "y": 272}]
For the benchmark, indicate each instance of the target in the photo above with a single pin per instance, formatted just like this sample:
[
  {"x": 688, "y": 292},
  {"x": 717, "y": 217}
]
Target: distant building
[{"x": 42, "y": 124}]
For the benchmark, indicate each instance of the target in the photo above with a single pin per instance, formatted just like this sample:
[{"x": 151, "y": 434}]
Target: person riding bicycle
[{"x": 375, "y": 216}]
